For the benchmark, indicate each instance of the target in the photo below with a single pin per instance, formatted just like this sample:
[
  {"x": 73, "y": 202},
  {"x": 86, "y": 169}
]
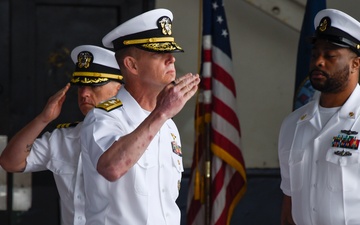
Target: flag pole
[
  {"x": 207, "y": 172},
  {"x": 217, "y": 165},
  {"x": 206, "y": 136}
]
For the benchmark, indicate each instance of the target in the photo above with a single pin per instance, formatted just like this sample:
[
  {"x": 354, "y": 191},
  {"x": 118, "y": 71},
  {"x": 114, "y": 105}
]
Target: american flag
[{"x": 218, "y": 178}]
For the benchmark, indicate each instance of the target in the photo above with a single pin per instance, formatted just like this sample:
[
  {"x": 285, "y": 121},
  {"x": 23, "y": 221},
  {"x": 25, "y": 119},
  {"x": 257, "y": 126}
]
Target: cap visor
[{"x": 165, "y": 47}]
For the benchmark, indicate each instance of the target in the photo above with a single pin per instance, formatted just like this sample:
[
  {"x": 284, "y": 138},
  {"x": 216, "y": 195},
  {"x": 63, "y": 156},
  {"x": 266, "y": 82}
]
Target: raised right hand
[{"x": 53, "y": 106}]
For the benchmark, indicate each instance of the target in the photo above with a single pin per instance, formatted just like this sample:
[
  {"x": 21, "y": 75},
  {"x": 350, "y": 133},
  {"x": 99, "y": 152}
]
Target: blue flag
[{"x": 303, "y": 89}]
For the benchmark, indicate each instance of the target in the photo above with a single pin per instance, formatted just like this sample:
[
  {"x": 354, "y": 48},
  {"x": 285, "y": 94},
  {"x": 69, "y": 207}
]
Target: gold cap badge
[{"x": 84, "y": 59}]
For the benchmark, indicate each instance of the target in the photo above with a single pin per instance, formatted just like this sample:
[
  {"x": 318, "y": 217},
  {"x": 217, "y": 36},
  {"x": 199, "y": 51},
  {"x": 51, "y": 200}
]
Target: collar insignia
[{"x": 303, "y": 117}]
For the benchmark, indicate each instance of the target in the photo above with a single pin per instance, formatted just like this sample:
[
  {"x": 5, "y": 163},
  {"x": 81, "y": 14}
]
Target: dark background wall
[
  {"x": 36, "y": 39},
  {"x": 261, "y": 204}
]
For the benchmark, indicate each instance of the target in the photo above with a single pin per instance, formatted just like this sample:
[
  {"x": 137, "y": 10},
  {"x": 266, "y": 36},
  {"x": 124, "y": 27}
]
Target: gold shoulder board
[
  {"x": 110, "y": 104},
  {"x": 65, "y": 125}
]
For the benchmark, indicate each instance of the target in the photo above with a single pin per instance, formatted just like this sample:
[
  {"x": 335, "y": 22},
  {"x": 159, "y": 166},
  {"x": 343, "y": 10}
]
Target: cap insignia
[
  {"x": 84, "y": 59},
  {"x": 324, "y": 23},
  {"x": 164, "y": 23}
]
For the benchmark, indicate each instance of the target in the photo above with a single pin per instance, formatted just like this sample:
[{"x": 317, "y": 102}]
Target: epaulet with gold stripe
[
  {"x": 110, "y": 104},
  {"x": 66, "y": 125}
]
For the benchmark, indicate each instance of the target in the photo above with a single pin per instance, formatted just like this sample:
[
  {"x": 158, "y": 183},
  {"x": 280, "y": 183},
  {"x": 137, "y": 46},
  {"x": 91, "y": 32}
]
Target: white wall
[{"x": 264, "y": 59}]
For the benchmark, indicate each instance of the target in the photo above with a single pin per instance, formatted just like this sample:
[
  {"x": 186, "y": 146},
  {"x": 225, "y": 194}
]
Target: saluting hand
[
  {"x": 53, "y": 106},
  {"x": 174, "y": 96}
]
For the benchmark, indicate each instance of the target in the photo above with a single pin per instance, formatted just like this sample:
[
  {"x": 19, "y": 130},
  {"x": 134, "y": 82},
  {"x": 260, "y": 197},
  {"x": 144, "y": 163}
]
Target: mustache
[
  {"x": 85, "y": 101},
  {"x": 318, "y": 71}
]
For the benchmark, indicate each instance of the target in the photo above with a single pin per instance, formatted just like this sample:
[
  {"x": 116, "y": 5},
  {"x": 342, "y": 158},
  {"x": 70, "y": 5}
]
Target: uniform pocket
[
  {"x": 61, "y": 168},
  {"x": 144, "y": 169},
  {"x": 177, "y": 169},
  {"x": 65, "y": 177},
  {"x": 343, "y": 171},
  {"x": 296, "y": 164}
]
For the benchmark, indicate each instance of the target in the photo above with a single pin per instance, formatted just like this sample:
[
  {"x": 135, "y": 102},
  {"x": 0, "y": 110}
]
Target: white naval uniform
[
  {"x": 324, "y": 187},
  {"x": 59, "y": 152},
  {"x": 146, "y": 194}
]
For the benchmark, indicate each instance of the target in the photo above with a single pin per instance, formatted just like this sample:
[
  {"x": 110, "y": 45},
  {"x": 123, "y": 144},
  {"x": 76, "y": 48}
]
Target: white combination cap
[
  {"x": 339, "y": 28},
  {"x": 94, "y": 66},
  {"x": 150, "y": 31}
]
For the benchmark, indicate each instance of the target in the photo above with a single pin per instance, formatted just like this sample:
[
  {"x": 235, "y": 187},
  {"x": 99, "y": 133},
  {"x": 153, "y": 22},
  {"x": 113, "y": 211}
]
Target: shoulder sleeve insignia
[
  {"x": 66, "y": 125},
  {"x": 110, "y": 104}
]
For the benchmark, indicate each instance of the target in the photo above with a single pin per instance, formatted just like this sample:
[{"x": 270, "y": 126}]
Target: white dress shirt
[
  {"x": 146, "y": 194},
  {"x": 323, "y": 185},
  {"x": 59, "y": 152}
]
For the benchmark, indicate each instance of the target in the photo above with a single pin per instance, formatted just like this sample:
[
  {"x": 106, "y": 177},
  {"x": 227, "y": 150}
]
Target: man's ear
[
  {"x": 355, "y": 63},
  {"x": 118, "y": 86},
  {"x": 130, "y": 64}
]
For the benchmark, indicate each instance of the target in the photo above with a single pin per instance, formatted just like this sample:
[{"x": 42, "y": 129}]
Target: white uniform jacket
[
  {"x": 59, "y": 152},
  {"x": 146, "y": 194},
  {"x": 324, "y": 186}
]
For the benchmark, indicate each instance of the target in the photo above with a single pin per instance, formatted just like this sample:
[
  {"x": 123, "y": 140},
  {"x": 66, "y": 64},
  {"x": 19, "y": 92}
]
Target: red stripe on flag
[
  {"x": 218, "y": 184},
  {"x": 206, "y": 83},
  {"x": 221, "y": 75},
  {"x": 195, "y": 206},
  {"x": 227, "y": 113},
  {"x": 207, "y": 55},
  {"x": 232, "y": 149}
]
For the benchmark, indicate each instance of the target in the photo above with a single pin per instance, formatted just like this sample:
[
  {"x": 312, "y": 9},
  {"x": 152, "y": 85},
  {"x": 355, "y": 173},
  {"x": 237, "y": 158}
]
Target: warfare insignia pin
[
  {"x": 343, "y": 153},
  {"x": 348, "y": 132}
]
